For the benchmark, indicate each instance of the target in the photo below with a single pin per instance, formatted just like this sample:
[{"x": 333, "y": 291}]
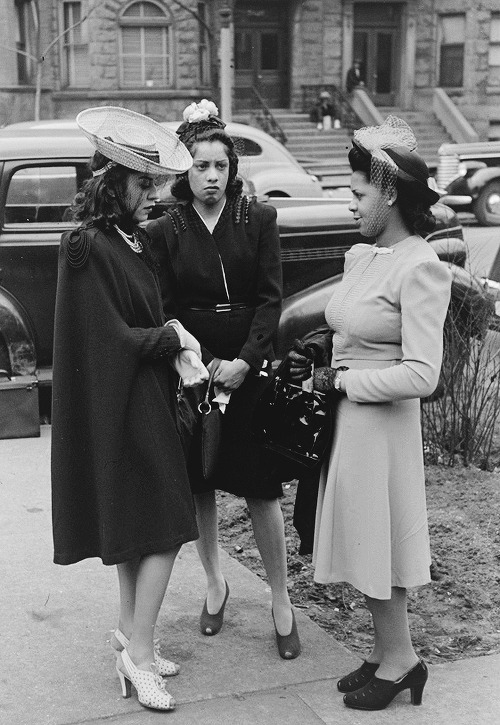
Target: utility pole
[{"x": 226, "y": 65}]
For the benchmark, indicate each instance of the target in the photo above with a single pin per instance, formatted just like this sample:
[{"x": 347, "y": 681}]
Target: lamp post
[{"x": 226, "y": 66}]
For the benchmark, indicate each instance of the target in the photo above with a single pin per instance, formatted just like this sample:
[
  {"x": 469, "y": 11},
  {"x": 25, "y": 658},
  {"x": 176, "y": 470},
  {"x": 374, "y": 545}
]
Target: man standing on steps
[{"x": 354, "y": 76}]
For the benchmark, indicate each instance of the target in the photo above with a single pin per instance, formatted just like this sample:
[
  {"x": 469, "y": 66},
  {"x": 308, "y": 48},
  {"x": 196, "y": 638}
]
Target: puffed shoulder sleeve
[
  {"x": 353, "y": 255},
  {"x": 424, "y": 299}
]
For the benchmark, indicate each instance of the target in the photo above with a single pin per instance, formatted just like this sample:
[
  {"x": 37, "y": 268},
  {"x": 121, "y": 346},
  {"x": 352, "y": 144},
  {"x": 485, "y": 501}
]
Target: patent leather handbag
[
  {"x": 211, "y": 427},
  {"x": 293, "y": 420}
]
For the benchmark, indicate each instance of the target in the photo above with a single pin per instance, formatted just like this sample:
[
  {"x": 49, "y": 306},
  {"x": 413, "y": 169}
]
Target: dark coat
[
  {"x": 352, "y": 79},
  {"x": 246, "y": 240},
  {"x": 119, "y": 482}
]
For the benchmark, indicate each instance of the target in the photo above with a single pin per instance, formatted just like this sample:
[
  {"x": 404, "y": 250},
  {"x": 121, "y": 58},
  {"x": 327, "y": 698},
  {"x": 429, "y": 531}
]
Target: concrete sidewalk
[{"x": 57, "y": 667}]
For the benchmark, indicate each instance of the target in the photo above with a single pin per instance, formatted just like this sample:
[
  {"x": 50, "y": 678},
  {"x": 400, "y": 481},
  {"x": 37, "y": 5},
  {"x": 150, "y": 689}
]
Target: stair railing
[
  {"x": 266, "y": 120},
  {"x": 348, "y": 117}
]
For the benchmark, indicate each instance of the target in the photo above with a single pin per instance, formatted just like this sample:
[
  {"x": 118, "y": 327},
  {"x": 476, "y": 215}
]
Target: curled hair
[
  {"x": 415, "y": 211},
  {"x": 98, "y": 201},
  {"x": 181, "y": 188}
]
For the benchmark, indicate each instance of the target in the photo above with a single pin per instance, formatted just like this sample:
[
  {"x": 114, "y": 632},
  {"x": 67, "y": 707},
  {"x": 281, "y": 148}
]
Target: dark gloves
[{"x": 300, "y": 359}]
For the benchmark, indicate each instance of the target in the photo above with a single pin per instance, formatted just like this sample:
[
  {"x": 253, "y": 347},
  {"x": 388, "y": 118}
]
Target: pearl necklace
[{"x": 131, "y": 239}]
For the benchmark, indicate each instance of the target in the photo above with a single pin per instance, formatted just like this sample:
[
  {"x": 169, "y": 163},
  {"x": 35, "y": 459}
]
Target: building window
[
  {"x": 452, "y": 32},
  {"x": 145, "y": 46},
  {"x": 494, "y": 51},
  {"x": 75, "y": 45},
  {"x": 26, "y": 31},
  {"x": 203, "y": 46}
]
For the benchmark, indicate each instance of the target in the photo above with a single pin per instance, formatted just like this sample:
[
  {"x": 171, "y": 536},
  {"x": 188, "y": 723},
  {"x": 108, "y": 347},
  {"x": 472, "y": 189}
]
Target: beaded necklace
[{"x": 131, "y": 239}]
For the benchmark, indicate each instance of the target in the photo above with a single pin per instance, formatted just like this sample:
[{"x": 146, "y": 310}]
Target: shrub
[{"x": 458, "y": 421}]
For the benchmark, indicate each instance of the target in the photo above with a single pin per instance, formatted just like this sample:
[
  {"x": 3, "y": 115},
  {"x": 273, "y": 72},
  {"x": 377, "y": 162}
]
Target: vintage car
[
  {"x": 39, "y": 176},
  {"x": 469, "y": 176}
]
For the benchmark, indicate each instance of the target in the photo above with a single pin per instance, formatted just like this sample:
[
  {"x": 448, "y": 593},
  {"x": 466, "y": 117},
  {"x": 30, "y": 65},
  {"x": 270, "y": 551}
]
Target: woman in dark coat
[
  {"x": 120, "y": 488},
  {"x": 221, "y": 276}
]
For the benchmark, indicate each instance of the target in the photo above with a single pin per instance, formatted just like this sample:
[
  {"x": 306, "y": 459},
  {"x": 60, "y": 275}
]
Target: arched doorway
[{"x": 261, "y": 53}]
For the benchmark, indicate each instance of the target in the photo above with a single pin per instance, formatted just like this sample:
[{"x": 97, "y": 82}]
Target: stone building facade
[{"x": 157, "y": 55}]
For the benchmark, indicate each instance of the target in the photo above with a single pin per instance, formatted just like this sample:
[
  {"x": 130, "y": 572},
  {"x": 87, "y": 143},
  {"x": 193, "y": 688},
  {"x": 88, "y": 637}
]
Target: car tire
[{"x": 487, "y": 205}]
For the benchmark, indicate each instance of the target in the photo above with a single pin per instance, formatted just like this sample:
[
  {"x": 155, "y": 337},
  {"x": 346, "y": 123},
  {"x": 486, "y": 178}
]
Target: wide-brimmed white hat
[{"x": 133, "y": 140}]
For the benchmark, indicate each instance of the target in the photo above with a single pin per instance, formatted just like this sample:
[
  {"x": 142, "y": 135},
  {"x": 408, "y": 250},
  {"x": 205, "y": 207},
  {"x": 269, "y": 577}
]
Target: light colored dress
[{"x": 387, "y": 315}]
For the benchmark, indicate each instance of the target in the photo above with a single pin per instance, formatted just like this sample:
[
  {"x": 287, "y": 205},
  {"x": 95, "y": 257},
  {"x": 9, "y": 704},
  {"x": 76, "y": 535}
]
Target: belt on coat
[{"x": 225, "y": 307}]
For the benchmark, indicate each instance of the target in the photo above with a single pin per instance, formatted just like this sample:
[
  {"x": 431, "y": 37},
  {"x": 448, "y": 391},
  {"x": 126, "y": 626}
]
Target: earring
[{"x": 389, "y": 203}]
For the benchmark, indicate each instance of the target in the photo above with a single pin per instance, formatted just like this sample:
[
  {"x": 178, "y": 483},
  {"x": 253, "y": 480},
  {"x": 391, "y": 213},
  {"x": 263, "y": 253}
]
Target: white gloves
[
  {"x": 187, "y": 362},
  {"x": 190, "y": 368}
]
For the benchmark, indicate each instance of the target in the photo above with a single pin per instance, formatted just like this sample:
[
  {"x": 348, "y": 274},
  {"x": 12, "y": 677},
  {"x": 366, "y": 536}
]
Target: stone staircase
[
  {"x": 428, "y": 130},
  {"x": 324, "y": 153}
]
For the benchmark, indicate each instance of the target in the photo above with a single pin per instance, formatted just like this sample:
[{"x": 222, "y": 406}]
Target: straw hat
[{"x": 134, "y": 141}]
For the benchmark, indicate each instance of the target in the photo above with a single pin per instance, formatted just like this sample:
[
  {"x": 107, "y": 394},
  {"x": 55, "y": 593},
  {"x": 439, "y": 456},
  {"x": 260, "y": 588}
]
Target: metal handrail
[
  {"x": 266, "y": 120},
  {"x": 345, "y": 112}
]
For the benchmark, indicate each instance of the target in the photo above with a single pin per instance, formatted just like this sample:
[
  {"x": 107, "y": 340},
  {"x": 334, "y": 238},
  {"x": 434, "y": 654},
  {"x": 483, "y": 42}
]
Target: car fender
[
  {"x": 286, "y": 182},
  {"x": 17, "y": 332},
  {"x": 478, "y": 180},
  {"x": 304, "y": 311}
]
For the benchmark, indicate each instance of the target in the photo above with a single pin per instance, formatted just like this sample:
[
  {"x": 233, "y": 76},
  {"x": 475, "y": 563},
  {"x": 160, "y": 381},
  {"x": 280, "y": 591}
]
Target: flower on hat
[{"x": 200, "y": 111}]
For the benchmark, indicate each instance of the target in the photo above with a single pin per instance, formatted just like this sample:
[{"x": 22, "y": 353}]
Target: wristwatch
[{"x": 338, "y": 377}]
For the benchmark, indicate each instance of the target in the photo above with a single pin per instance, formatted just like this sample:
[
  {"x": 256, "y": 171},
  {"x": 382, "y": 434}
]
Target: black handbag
[
  {"x": 211, "y": 427},
  {"x": 292, "y": 421},
  {"x": 19, "y": 409}
]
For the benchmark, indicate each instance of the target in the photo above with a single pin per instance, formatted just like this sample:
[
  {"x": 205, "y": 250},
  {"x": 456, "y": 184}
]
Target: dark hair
[
  {"x": 181, "y": 188},
  {"x": 414, "y": 209},
  {"x": 100, "y": 198}
]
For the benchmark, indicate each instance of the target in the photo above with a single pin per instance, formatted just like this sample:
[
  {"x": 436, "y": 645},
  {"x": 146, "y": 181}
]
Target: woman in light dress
[{"x": 387, "y": 318}]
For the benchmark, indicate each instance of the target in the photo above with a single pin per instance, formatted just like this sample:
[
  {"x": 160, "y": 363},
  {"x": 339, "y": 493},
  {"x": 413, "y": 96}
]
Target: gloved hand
[
  {"x": 186, "y": 339},
  {"x": 190, "y": 368},
  {"x": 300, "y": 359}
]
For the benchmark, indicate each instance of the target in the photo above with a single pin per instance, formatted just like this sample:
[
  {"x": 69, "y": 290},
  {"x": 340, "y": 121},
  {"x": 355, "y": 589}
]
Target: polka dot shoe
[
  {"x": 150, "y": 687},
  {"x": 166, "y": 668}
]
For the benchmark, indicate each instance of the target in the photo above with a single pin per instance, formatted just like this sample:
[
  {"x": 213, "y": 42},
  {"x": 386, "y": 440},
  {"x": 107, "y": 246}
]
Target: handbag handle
[{"x": 205, "y": 406}]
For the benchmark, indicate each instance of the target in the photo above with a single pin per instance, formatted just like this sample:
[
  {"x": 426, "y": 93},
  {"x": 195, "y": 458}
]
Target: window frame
[
  {"x": 67, "y": 45},
  {"x": 494, "y": 44},
  {"x": 441, "y": 45},
  {"x": 167, "y": 41},
  {"x": 25, "y": 41}
]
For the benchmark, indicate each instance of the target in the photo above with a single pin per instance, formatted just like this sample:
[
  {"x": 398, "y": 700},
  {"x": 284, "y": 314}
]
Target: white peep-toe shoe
[
  {"x": 150, "y": 686},
  {"x": 165, "y": 668}
]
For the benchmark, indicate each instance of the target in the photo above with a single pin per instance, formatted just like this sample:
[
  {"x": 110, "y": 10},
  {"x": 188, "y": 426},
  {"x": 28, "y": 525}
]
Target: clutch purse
[
  {"x": 211, "y": 427},
  {"x": 293, "y": 420}
]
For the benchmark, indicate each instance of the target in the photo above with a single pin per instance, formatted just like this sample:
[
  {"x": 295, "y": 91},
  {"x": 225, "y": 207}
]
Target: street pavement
[{"x": 57, "y": 668}]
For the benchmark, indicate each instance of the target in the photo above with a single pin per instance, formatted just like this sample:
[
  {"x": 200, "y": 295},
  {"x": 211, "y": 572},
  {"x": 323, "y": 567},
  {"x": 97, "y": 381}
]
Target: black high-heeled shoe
[
  {"x": 211, "y": 624},
  {"x": 288, "y": 644},
  {"x": 358, "y": 678},
  {"x": 378, "y": 693}
]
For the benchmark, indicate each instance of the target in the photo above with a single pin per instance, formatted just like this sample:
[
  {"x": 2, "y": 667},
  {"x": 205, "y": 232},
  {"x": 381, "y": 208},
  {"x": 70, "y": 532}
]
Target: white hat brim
[{"x": 98, "y": 124}]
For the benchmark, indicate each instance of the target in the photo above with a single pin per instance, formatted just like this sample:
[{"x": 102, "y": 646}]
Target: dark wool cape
[{"x": 119, "y": 483}]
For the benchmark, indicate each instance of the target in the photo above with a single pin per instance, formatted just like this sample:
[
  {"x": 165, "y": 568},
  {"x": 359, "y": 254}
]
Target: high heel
[
  {"x": 166, "y": 668},
  {"x": 211, "y": 624},
  {"x": 288, "y": 644},
  {"x": 378, "y": 693},
  {"x": 358, "y": 678},
  {"x": 150, "y": 686}
]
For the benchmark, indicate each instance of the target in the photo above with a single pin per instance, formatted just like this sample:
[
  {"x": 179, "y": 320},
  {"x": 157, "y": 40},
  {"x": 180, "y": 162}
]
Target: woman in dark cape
[{"x": 120, "y": 489}]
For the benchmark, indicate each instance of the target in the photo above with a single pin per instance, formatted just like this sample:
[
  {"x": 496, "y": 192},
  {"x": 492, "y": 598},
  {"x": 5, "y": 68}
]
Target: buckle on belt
[{"x": 224, "y": 307}]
